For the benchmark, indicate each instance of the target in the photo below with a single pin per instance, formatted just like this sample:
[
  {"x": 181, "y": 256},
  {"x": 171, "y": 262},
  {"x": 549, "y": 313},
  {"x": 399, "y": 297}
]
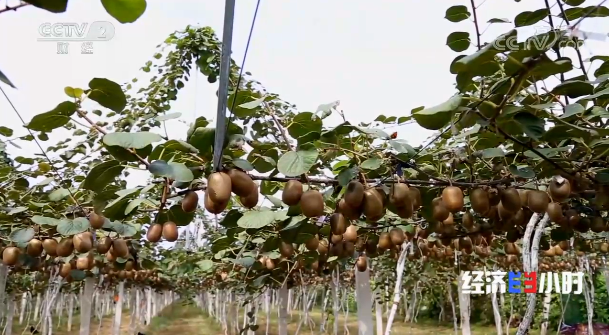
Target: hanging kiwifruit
[
  {"x": 385, "y": 241},
  {"x": 373, "y": 205},
  {"x": 354, "y": 195},
  {"x": 286, "y": 249},
  {"x": 350, "y": 234},
  {"x": 104, "y": 244},
  {"x": 452, "y": 197},
  {"x": 10, "y": 256},
  {"x": 119, "y": 248},
  {"x": 405, "y": 212},
  {"x": 361, "y": 263},
  {"x": 583, "y": 225},
  {"x": 349, "y": 212},
  {"x": 511, "y": 249},
  {"x": 65, "y": 247},
  {"x": 597, "y": 224},
  {"x": 450, "y": 220},
  {"x": 82, "y": 263},
  {"x": 524, "y": 197},
  {"x": 34, "y": 247},
  {"x": 154, "y": 233},
  {"x": 190, "y": 202},
  {"x": 322, "y": 248},
  {"x": 83, "y": 242},
  {"x": 335, "y": 239},
  {"x": 399, "y": 195},
  {"x": 219, "y": 187},
  {"x": 415, "y": 196},
  {"x": 493, "y": 197},
  {"x": 65, "y": 269},
  {"x": 170, "y": 231},
  {"x": 96, "y": 221},
  {"x": 250, "y": 200},
  {"x": 538, "y": 201},
  {"x": 241, "y": 183},
  {"x": 50, "y": 246},
  {"x": 312, "y": 204},
  {"x": 397, "y": 236},
  {"x": 554, "y": 211},
  {"x": 292, "y": 193},
  {"x": 439, "y": 210},
  {"x": 212, "y": 206},
  {"x": 338, "y": 224},
  {"x": 467, "y": 220},
  {"x": 511, "y": 199},
  {"x": 312, "y": 243},
  {"x": 479, "y": 200},
  {"x": 560, "y": 189},
  {"x": 558, "y": 250}
]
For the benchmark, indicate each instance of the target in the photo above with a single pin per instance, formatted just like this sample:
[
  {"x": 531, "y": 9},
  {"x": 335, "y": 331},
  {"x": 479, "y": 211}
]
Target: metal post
[{"x": 227, "y": 41}]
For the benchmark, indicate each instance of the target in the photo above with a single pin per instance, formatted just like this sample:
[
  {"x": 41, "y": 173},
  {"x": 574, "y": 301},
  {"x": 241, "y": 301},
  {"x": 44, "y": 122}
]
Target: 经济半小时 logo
[{"x": 486, "y": 282}]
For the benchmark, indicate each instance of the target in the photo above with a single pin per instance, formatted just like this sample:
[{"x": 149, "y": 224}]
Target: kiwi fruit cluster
[
  {"x": 311, "y": 202},
  {"x": 220, "y": 185}
]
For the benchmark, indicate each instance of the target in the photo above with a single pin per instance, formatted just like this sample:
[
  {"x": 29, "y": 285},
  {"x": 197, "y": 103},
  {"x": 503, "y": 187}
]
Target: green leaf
[
  {"x": 133, "y": 205},
  {"x": 5, "y": 80},
  {"x": 303, "y": 124},
  {"x": 203, "y": 139},
  {"x": 181, "y": 173},
  {"x": 23, "y": 235},
  {"x": 44, "y": 221},
  {"x": 402, "y": 147},
  {"x": 528, "y": 18},
  {"x": 58, "y": 194},
  {"x": 437, "y": 117},
  {"x": 256, "y": 219},
  {"x": 530, "y": 124},
  {"x": 73, "y": 92},
  {"x": 177, "y": 215},
  {"x": 253, "y": 104},
  {"x": 522, "y": 171},
  {"x": 372, "y": 163},
  {"x": 205, "y": 265},
  {"x": 346, "y": 175},
  {"x": 458, "y": 41},
  {"x": 597, "y": 94},
  {"x": 573, "y": 109},
  {"x": 591, "y": 11},
  {"x": 243, "y": 164},
  {"x": 108, "y": 93},
  {"x": 131, "y": 140},
  {"x": 53, "y": 6},
  {"x": 17, "y": 210},
  {"x": 73, "y": 227},
  {"x": 167, "y": 117},
  {"x": 296, "y": 163},
  {"x": 499, "y": 20},
  {"x": 573, "y": 89},
  {"x": 474, "y": 61},
  {"x": 5, "y": 131},
  {"x": 492, "y": 153},
  {"x": 58, "y": 117},
  {"x": 125, "y": 11},
  {"x": 101, "y": 175},
  {"x": 574, "y": 2},
  {"x": 78, "y": 275},
  {"x": 124, "y": 229},
  {"x": 457, "y": 13}
]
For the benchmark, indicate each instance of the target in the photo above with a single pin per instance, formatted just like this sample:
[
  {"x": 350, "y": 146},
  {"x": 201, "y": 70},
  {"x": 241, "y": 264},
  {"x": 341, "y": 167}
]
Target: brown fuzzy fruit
[
  {"x": 50, "y": 246},
  {"x": 348, "y": 211},
  {"x": 415, "y": 196},
  {"x": 538, "y": 201},
  {"x": 96, "y": 221},
  {"x": 286, "y": 249},
  {"x": 154, "y": 233},
  {"x": 65, "y": 269},
  {"x": 10, "y": 256},
  {"x": 170, "y": 231},
  {"x": 34, "y": 247},
  {"x": 397, "y": 236},
  {"x": 354, "y": 195},
  {"x": 219, "y": 187},
  {"x": 65, "y": 247},
  {"x": 241, "y": 183},
  {"x": 119, "y": 248},
  {"x": 83, "y": 242},
  {"x": 361, "y": 263},
  {"x": 399, "y": 195},
  {"x": 338, "y": 224},
  {"x": 190, "y": 202},
  {"x": 350, "y": 234},
  {"x": 312, "y": 243},
  {"x": 439, "y": 210},
  {"x": 212, "y": 206},
  {"x": 510, "y": 198},
  {"x": 554, "y": 211},
  {"x": 312, "y": 204},
  {"x": 480, "y": 200},
  {"x": 452, "y": 197},
  {"x": 560, "y": 189},
  {"x": 292, "y": 193},
  {"x": 104, "y": 245}
]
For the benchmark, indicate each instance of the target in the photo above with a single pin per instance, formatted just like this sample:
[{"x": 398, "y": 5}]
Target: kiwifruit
[
  {"x": 405, "y": 212},
  {"x": 241, "y": 183},
  {"x": 338, "y": 224},
  {"x": 385, "y": 241},
  {"x": 34, "y": 247},
  {"x": 213, "y": 206},
  {"x": 82, "y": 263},
  {"x": 467, "y": 220},
  {"x": 399, "y": 195},
  {"x": 554, "y": 211},
  {"x": 65, "y": 247},
  {"x": 439, "y": 210},
  {"x": 286, "y": 249},
  {"x": 549, "y": 253},
  {"x": 361, "y": 263},
  {"x": 538, "y": 201},
  {"x": 312, "y": 243},
  {"x": 449, "y": 220},
  {"x": 350, "y": 234},
  {"x": 65, "y": 269},
  {"x": 373, "y": 204},
  {"x": 10, "y": 256},
  {"x": 154, "y": 233},
  {"x": 511, "y": 199},
  {"x": 573, "y": 217},
  {"x": 583, "y": 225},
  {"x": 348, "y": 211},
  {"x": 511, "y": 249},
  {"x": 103, "y": 245},
  {"x": 312, "y": 204},
  {"x": 597, "y": 224},
  {"x": 96, "y": 220},
  {"x": 322, "y": 247},
  {"x": 479, "y": 200},
  {"x": 604, "y": 247},
  {"x": 170, "y": 231},
  {"x": 452, "y": 197},
  {"x": 50, "y": 246},
  {"x": 83, "y": 242},
  {"x": 397, "y": 236},
  {"x": 119, "y": 248},
  {"x": 250, "y": 200},
  {"x": 558, "y": 250},
  {"x": 190, "y": 202},
  {"x": 524, "y": 197},
  {"x": 560, "y": 189},
  {"x": 415, "y": 196},
  {"x": 564, "y": 245},
  {"x": 129, "y": 265},
  {"x": 519, "y": 219},
  {"x": 219, "y": 187},
  {"x": 292, "y": 193},
  {"x": 348, "y": 249},
  {"x": 354, "y": 195},
  {"x": 335, "y": 239}
]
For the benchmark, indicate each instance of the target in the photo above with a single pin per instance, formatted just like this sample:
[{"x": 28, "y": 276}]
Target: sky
[{"x": 382, "y": 57}]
